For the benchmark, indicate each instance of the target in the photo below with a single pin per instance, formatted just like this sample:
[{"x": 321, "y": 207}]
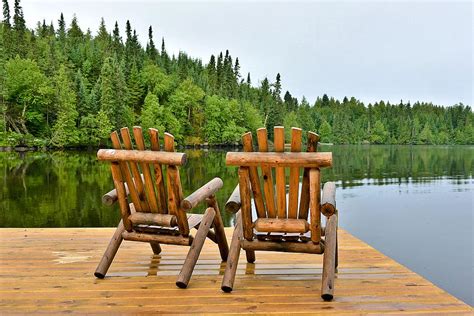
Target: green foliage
[
  {"x": 68, "y": 87},
  {"x": 326, "y": 132},
  {"x": 379, "y": 133},
  {"x": 220, "y": 126},
  {"x": 64, "y": 131},
  {"x": 159, "y": 117},
  {"x": 28, "y": 94}
]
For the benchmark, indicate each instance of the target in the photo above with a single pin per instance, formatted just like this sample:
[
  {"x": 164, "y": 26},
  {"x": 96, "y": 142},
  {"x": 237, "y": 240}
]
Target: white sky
[{"x": 372, "y": 50}]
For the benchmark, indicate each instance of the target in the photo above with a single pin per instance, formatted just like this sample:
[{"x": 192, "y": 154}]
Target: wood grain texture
[
  {"x": 175, "y": 191},
  {"x": 137, "y": 178},
  {"x": 127, "y": 176},
  {"x": 290, "y": 225},
  {"x": 279, "y": 142},
  {"x": 147, "y": 178},
  {"x": 159, "y": 180},
  {"x": 49, "y": 270},
  {"x": 312, "y": 146},
  {"x": 296, "y": 138},
  {"x": 233, "y": 203},
  {"x": 246, "y": 208},
  {"x": 268, "y": 186},
  {"x": 201, "y": 194},
  {"x": 279, "y": 159},
  {"x": 254, "y": 178},
  {"x": 315, "y": 204},
  {"x": 328, "y": 199}
]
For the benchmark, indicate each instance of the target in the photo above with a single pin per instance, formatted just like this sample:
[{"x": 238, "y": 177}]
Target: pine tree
[
  {"x": 237, "y": 68},
  {"x": 277, "y": 87},
  {"x": 113, "y": 94},
  {"x": 6, "y": 14},
  {"x": 150, "y": 47},
  {"x": 61, "y": 28},
  {"x": 212, "y": 75},
  {"x": 326, "y": 132},
  {"x": 64, "y": 130},
  {"x": 18, "y": 18},
  {"x": 135, "y": 89},
  {"x": 220, "y": 72},
  {"x": 165, "y": 60}
]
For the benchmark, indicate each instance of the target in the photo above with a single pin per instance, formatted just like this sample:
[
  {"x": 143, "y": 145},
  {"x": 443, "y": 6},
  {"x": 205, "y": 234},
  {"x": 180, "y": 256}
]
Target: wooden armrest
[
  {"x": 233, "y": 203},
  {"x": 111, "y": 197},
  {"x": 202, "y": 193},
  {"x": 328, "y": 199}
]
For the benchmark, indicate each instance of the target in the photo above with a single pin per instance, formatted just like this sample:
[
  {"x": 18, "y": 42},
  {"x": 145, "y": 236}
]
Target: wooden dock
[{"x": 51, "y": 271}]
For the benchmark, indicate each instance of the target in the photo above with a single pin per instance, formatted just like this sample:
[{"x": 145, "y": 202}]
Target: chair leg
[
  {"x": 155, "y": 247},
  {"x": 329, "y": 261},
  {"x": 233, "y": 258},
  {"x": 195, "y": 249},
  {"x": 250, "y": 254},
  {"x": 221, "y": 239},
  {"x": 110, "y": 252}
]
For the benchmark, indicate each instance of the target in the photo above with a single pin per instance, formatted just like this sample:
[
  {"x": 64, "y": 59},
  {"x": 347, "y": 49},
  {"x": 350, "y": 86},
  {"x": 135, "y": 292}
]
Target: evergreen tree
[
  {"x": 113, "y": 94},
  {"x": 150, "y": 48},
  {"x": 117, "y": 39},
  {"x": 136, "y": 90},
  {"x": 64, "y": 131},
  {"x": 212, "y": 75},
  {"x": 6, "y": 14},
  {"x": 379, "y": 133},
  {"x": 18, "y": 19},
  {"x": 61, "y": 28},
  {"x": 237, "y": 68},
  {"x": 326, "y": 132},
  {"x": 277, "y": 87}
]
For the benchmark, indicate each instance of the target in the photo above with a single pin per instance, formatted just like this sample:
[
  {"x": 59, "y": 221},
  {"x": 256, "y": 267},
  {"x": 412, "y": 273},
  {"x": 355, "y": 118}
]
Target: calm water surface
[{"x": 414, "y": 204}]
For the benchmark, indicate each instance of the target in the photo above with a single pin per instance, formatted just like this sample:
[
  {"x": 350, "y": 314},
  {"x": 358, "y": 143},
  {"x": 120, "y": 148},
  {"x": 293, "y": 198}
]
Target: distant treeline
[{"x": 62, "y": 86}]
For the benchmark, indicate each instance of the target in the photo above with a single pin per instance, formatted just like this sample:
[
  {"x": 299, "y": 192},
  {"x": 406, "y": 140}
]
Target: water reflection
[
  {"x": 408, "y": 202},
  {"x": 63, "y": 189}
]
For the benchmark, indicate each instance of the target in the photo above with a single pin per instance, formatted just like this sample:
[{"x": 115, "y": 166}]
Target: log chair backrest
[
  {"x": 146, "y": 188},
  {"x": 272, "y": 202}
]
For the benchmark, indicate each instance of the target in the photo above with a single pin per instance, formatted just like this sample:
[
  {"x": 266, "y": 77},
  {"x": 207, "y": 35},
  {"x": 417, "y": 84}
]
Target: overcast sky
[{"x": 372, "y": 50}]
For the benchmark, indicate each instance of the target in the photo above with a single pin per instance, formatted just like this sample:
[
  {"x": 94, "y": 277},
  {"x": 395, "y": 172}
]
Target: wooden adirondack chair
[
  {"x": 152, "y": 213},
  {"x": 281, "y": 225}
]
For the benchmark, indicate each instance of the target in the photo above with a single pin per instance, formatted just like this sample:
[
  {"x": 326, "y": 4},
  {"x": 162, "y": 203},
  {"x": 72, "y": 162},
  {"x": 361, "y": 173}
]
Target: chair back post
[{"x": 175, "y": 191}]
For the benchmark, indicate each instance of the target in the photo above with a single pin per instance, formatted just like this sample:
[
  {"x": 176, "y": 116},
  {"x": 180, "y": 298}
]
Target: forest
[{"x": 63, "y": 87}]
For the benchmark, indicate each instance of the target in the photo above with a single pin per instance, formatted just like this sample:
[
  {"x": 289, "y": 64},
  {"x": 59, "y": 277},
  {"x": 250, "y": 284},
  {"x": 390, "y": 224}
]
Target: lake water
[{"x": 413, "y": 203}]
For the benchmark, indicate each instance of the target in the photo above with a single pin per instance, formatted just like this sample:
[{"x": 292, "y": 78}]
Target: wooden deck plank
[{"x": 51, "y": 271}]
